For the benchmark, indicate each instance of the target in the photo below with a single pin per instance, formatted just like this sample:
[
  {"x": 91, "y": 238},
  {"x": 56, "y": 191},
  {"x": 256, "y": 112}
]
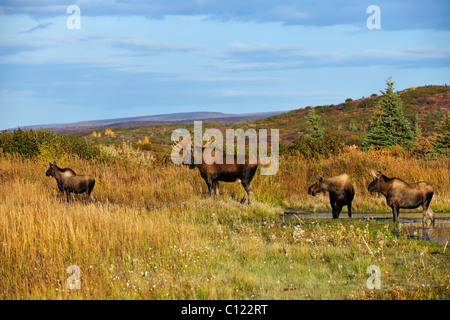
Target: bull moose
[
  {"x": 340, "y": 189},
  {"x": 68, "y": 181},
  {"x": 400, "y": 194},
  {"x": 227, "y": 172}
]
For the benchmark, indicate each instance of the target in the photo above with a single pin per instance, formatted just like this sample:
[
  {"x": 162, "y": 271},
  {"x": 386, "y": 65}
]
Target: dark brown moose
[
  {"x": 68, "y": 181},
  {"x": 400, "y": 194},
  {"x": 340, "y": 190},
  {"x": 226, "y": 172}
]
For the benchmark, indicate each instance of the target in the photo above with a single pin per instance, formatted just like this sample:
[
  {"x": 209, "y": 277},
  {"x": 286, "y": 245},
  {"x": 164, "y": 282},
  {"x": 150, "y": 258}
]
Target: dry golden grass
[
  {"x": 152, "y": 233},
  {"x": 289, "y": 187}
]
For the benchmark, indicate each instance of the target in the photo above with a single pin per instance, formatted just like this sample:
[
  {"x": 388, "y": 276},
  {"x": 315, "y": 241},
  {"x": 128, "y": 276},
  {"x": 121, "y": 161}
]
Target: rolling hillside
[
  {"x": 350, "y": 119},
  {"x": 182, "y": 117}
]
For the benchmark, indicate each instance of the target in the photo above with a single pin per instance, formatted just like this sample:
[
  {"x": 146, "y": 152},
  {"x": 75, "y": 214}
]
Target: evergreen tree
[
  {"x": 313, "y": 120},
  {"x": 389, "y": 126},
  {"x": 418, "y": 131},
  {"x": 442, "y": 142}
]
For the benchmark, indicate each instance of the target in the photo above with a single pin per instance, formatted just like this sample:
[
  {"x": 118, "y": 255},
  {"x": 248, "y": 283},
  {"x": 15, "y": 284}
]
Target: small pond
[{"x": 411, "y": 222}]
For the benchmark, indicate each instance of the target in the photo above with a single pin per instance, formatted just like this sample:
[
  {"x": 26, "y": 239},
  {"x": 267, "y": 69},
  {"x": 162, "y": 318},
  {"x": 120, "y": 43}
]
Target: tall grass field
[{"x": 151, "y": 231}]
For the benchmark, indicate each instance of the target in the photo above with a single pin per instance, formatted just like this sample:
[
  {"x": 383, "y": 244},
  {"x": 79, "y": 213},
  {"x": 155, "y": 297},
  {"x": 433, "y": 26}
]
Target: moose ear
[
  {"x": 382, "y": 171},
  {"x": 319, "y": 177},
  {"x": 49, "y": 162},
  {"x": 374, "y": 173}
]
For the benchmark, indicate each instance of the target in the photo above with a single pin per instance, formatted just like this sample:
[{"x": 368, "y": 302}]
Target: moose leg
[
  {"x": 333, "y": 209},
  {"x": 349, "y": 209},
  {"x": 68, "y": 195},
  {"x": 334, "y": 206},
  {"x": 216, "y": 187},
  {"x": 88, "y": 194},
  {"x": 427, "y": 214},
  {"x": 395, "y": 213},
  {"x": 61, "y": 191},
  {"x": 244, "y": 198},
  {"x": 248, "y": 192},
  {"x": 338, "y": 209},
  {"x": 90, "y": 188},
  {"x": 210, "y": 185}
]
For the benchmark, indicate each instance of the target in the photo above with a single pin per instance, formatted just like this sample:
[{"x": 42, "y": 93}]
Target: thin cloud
[
  {"x": 250, "y": 93},
  {"x": 267, "y": 56},
  {"x": 38, "y": 27},
  {"x": 420, "y": 14}
]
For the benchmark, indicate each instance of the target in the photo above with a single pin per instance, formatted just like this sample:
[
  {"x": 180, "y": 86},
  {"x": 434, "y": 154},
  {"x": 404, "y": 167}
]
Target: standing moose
[
  {"x": 400, "y": 194},
  {"x": 68, "y": 181},
  {"x": 340, "y": 190},
  {"x": 227, "y": 172}
]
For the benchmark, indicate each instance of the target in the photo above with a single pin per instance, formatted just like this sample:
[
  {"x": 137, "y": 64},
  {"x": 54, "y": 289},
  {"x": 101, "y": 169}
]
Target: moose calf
[
  {"x": 400, "y": 194},
  {"x": 340, "y": 189},
  {"x": 68, "y": 181}
]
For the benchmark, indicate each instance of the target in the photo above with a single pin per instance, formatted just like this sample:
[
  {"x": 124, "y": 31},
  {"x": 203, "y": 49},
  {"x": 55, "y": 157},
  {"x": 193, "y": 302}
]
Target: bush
[
  {"x": 347, "y": 104},
  {"x": 308, "y": 147},
  {"x": 45, "y": 145}
]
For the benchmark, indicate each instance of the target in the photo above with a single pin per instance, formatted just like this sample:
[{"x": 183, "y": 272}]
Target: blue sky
[{"x": 133, "y": 58}]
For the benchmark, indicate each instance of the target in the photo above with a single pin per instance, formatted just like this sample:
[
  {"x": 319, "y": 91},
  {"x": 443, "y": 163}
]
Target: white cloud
[{"x": 249, "y": 93}]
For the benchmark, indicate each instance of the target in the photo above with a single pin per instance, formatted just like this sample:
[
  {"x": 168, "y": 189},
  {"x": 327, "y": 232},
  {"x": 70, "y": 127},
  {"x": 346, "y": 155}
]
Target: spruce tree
[
  {"x": 389, "y": 126},
  {"x": 442, "y": 142},
  {"x": 313, "y": 120},
  {"x": 418, "y": 131}
]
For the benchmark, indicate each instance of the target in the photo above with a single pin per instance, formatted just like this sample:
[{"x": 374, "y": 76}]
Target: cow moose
[
  {"x": 400, "y": 194},
  {"x": 68, "y": 181},
  {"x": 226, "y": 172},
  {"x": 340, "y": 189}
]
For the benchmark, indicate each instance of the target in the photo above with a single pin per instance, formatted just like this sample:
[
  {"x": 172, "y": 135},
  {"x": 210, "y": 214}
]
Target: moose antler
[
  {"x": 209, "y": 142},
  {"x": 204, "y": 145},
  {"x": 176, "y": 144}
]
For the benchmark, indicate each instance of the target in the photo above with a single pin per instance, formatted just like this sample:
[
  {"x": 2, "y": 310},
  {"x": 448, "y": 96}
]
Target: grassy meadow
[{"x": 151, "y": 232}]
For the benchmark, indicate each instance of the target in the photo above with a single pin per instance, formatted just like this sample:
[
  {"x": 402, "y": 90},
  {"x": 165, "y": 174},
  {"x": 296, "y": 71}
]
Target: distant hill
[
  {"x": 349, "y": 119},
  {"x": 155, "y": 119}
]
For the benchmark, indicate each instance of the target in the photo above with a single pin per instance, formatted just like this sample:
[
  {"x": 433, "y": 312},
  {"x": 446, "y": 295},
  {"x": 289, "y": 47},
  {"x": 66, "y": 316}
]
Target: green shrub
[
  {"x": 45, "y": 145},
  {"x": 308, "y": 147}
]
